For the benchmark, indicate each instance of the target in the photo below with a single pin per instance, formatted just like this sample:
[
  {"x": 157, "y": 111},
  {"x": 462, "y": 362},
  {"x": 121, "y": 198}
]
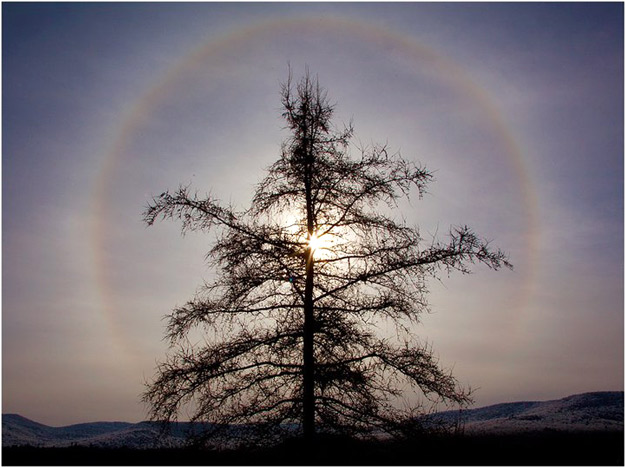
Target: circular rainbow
[{"x": 140, "y": 110}]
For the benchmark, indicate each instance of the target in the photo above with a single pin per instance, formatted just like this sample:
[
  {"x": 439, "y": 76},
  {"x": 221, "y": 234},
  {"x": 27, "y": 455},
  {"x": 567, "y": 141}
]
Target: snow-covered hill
[
  {"x": 595, "y": 411},
  {"x": 20, "y": 431}
]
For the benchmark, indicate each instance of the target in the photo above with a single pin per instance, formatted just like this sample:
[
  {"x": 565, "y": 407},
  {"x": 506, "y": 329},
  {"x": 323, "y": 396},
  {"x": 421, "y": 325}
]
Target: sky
[{"x": 516, "y": 108}]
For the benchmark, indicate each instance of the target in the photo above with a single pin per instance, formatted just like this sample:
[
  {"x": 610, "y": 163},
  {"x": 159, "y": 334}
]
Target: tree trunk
[
  {"x": 309, "y": 358},
  {"x": 309, "y": 315}
]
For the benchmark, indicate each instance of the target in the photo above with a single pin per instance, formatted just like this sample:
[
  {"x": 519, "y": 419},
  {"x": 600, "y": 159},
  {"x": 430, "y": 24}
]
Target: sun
[{"x": 320, "y": 245}]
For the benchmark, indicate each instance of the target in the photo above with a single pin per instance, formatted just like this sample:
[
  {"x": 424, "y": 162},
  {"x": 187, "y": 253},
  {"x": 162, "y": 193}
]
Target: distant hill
[
  {"x": 20, "y": 431},
  {"x": 595, "y": 411}
]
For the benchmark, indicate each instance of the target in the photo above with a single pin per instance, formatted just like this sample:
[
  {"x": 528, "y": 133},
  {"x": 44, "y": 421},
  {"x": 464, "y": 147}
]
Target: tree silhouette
[{"x": 309, "y": 326}]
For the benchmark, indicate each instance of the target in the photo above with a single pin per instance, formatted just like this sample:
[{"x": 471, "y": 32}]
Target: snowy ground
[{"x": 596, "y": 411}]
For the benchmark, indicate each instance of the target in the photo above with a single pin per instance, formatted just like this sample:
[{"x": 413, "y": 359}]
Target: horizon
[
  {"x": 188, "y": 421},
  {"x": 107, "y": 105}
]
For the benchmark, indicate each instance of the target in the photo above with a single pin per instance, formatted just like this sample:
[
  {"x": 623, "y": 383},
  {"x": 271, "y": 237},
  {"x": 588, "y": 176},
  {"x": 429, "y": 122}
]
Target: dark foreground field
[{"x": 546, "y": 448}]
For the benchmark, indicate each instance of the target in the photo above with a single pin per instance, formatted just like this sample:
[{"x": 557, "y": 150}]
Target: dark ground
[{"x": 544, "y": 448}]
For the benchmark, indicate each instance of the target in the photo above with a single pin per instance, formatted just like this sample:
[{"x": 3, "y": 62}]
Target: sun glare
[
  {"x": 319, "y": 245},
  {"x": 323, "y": 246}
]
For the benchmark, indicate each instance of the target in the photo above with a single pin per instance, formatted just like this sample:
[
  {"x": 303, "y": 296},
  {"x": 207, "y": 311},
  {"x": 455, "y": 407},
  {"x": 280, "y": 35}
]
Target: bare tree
[{"x": 310, "y": 324}]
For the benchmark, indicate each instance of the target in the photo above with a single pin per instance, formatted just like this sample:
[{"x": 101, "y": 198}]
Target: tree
[{"x": 310, "y": 324}]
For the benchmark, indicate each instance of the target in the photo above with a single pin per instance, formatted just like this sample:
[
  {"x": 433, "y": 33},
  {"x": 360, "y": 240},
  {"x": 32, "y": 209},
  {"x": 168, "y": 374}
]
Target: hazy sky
[{"x": 517, "y": 108}]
